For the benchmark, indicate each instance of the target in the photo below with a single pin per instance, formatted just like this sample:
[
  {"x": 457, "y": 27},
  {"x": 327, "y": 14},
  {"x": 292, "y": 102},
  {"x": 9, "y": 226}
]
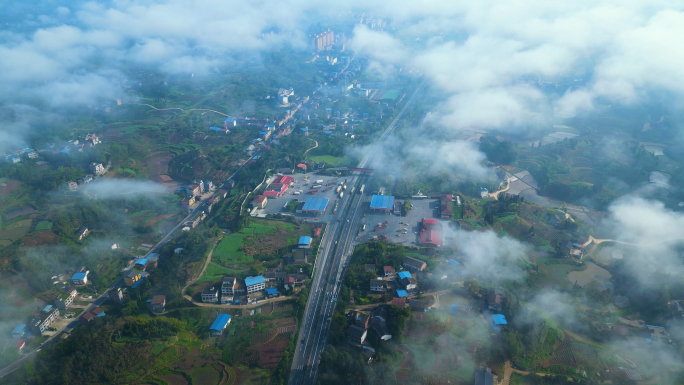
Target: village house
[
  {"x": 255, "y": 284},
  {"x": 228, "y": 287},
  {"x": 82, "y": 233},
  {"x": 44, "y": 319},
  {"x": 259, "y": 201},
  {"x": 80, "y": 279},
  {"x": 192, "y": 190},
  {"x": 219, "y": 324},
  {"x": 116, "y": 295},
  {"x": 356, "y": 335},
  {"x": 96, "y": 168},
  {"x": 132, "y": 276},
  {"x": 377, "y": 286},
  {"x": 158, "y": 303},
  {"x": 494, "y": 300},
  {"x": 414, "y": 264},
  {"x": 380, "y": 328},
  {"x": 66, "y": 299},
  {"x": 388, "y": 271},
  {"x": 210, "y": 294},
  {"x": 417, "y": 305},
  {"x": 369, "y": 268},
  {"x": 406, "y": 281}
]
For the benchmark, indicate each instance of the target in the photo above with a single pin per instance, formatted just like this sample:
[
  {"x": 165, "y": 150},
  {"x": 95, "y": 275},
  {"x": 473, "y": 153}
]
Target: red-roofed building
[
  {"x": 399, "y": 302},
  {"x": 289, "y": 281},
  {"x": 269, "y": 193},
  {"x": 429, "y": 224},
  {"x": 431, "y": 238},
  {"x": 260, "y": 201},
  {"x": 21, "y": 344},
  {"x": 389, "y": 271},
  {"x": 301, "y": 166},
  {"x": 446, "y": 208},
  {"x": 279, "y": 185}
]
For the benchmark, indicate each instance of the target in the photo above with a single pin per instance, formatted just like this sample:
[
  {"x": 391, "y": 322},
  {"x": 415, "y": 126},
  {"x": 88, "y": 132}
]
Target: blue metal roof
[
  {"x": 382, "y": 202},
  {"x": 220, "y": 322},
  {"x": 304, "y": 129},
  {"x": 141, "y": 261},
  {"x": 47, "y": 308},
  {"x": 263, "y": 133},
  {"x": 249, "y": 281},
  {"x": 78, "y": 276},
  {"x": 404, "y": 274},
  {"x": 327, "y": 132},
  {"x": 101, "y": 314},
  {"x": 215, "y": 128},
  {"x": 305, "y": 240},
  {"x": 454, "y": 308},
  {"x": 272, "y": 291},
  {"x": 229, "y": 120},
  {"x": 453, "y": 262},
  {"x": 19, "y": 329},
  {"x": 65, "y": 151},
  {"x": 315, "y": 204},
  {"x": 499, "y": 319},
  {"x": 402, "y": 293}
]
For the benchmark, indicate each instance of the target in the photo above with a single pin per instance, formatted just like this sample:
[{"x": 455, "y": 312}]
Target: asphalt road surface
[{"x": 335, "y": 248}]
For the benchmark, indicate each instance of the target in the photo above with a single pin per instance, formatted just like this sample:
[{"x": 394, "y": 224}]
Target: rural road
[
  {"x": 495, "y": 195},
  {"x": 311, "y": 148}
]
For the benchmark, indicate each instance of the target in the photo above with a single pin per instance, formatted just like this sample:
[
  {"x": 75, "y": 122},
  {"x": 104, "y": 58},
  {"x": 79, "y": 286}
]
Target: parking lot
[
  {"x": 303, "y": 183},
  {"x": 422, "y": 208}
]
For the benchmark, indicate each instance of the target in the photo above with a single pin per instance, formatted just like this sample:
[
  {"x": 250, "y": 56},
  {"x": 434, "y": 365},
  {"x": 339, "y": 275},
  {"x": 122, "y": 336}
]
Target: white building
[
  {"x": 210, "y": 294},
  {"x": 255, "y": 284}
]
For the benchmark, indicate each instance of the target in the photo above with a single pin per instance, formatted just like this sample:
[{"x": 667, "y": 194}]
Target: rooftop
[
  {"x": 402, "y": 293},
  {"x": 382, "y": 202},
  {"x": 220, "y": 322},
  {"x": 79, "y": 275},
  {"x": 499, "y": 319},
  {"x": 249, "y": 281},
  {"x": 304, "y": 240},
  {"x": 404, "y": 274},
  {"x": 271, "y": 291},
  {"x": 315, "y": 204}
]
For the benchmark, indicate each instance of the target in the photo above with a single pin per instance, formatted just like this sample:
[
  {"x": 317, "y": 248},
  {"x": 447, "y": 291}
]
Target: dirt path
[
  {"x": 495, "y": 195},
  {"x": 508, "y": 370},
  {"x": 176, "y": 108},
  {"x": 204, "y": 268},
  {"x": 309, "y": 149}
]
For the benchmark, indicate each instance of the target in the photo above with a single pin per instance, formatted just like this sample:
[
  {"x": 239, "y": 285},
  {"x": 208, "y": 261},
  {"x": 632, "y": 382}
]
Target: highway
[{"x": 336, "y": 246}]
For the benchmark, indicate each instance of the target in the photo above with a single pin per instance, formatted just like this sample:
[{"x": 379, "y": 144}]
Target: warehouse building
[
  {"x": 315, "y": 205},
  {"x": 382, "y": 203},
  {"x": 220, "y": 324}
]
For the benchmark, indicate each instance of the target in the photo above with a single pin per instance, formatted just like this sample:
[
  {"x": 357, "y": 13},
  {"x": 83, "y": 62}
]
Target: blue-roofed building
[
  {"x": 315, "y": 205},
  {"x": 404, "y": 274},
  {"x": 402, "y": 293},
  {"x": 80, "y": 278},
  {"x": 304, "y": 242},
  {"x": 454, "y": 308},
  {"x": 215, "y": 128},
  {"x": 230, "y": 122},
  {"x": 19, "y": 330},
  {"x": 499, "y": 321},
  {"x": 220, "y": 324},
  {"x": 47, "y": 308},
  {"x": 382, "y": 202},
  {"x": 142, "y": 262},
  {"x": 327, "y": 132},
  {"x": 453, "y": 262},
  {"x": 271, "y": 292},
  {"x": 65, "y": 151},
  {"x": 255, "y": 284}
]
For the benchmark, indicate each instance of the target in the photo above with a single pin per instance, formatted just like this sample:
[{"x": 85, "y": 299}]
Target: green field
[
  {"x": 205, "y": 375},
  {"x": 44, "y": 226},
  {"x": 215, "y": 272},
  {"x": 329, "y": 160},
  {"x": 227, "y": 250}
]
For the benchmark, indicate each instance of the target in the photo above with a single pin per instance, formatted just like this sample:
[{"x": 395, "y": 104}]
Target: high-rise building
[{"x": 323, "y": 40}]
